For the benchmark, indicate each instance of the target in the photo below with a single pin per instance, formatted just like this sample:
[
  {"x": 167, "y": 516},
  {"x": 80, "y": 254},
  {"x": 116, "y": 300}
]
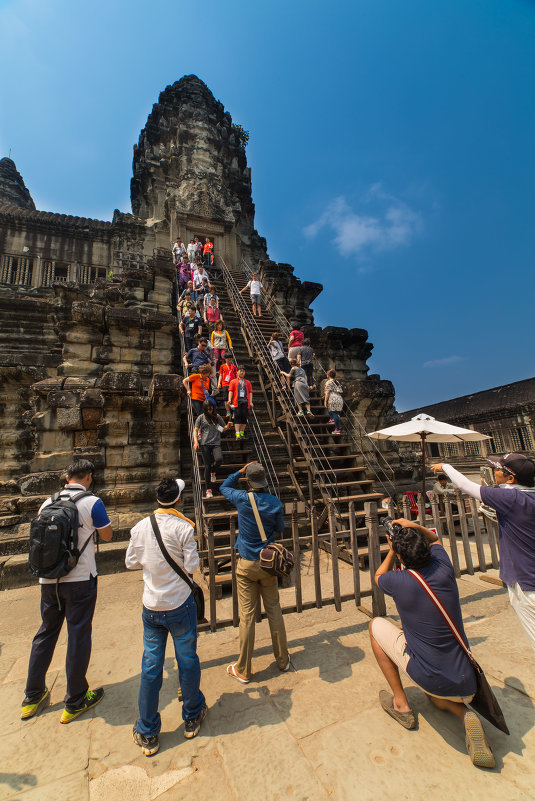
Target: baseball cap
[
  {"x": 256, "y": 476},
  {"x": 517, "y": 465}
]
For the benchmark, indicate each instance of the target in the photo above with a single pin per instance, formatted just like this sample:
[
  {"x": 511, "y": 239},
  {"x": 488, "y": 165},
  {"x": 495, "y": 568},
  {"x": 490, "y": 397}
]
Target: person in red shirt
[
  {"x": 294, "y": 342},
  {"x": 240, "y": 398},
  {"x": 208, "y": 251},
  {"x": 227, "y": 372}
]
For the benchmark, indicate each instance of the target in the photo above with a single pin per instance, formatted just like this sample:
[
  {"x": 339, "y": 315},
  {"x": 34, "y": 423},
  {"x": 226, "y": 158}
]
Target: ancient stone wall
[{"x": 108, "y": 392}]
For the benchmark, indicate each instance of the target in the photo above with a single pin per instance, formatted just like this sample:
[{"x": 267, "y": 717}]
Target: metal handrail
[
  {"x": 317, "y": 458},
  {"x": 285, "y": 327},
  {"x": 197, "y": 490}
]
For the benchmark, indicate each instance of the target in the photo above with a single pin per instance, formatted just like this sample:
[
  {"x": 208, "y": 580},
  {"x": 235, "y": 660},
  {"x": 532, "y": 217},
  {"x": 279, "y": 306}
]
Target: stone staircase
[{"x": 339, "y": 474}]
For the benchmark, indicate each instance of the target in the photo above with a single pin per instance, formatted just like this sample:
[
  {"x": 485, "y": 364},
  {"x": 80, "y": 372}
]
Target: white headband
[{"x": 181, "y": 486}]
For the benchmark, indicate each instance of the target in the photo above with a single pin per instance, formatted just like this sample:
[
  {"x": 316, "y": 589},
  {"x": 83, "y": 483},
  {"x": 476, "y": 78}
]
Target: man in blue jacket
[{"x": 251, "y": 579}]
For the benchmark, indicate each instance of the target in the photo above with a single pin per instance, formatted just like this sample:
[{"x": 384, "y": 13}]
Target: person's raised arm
[
  {"x": 387, "y": 564},
  {"x": 460, "y": 481}
]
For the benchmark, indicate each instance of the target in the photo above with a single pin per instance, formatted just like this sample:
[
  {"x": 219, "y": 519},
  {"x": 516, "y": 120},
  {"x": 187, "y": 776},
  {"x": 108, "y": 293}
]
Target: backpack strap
[
  {"x": 170, "y": 561},
  {"x": 257, "y": 516}
]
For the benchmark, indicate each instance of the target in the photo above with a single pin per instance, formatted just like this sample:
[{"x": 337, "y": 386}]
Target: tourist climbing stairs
[{"x": 327, "y": 470}]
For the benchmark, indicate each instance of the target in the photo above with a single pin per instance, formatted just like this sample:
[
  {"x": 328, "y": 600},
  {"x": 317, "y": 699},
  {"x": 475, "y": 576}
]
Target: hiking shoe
[
  {"x": 92, "y": 698},
  {"x": 30, "y": 708},
  {"x": 149, "y": 745},
  {"x": 191, "y": 727},
  {"x": 209, "y": 494},
  {"x": 213, "y": 477},
  {"x": 477, "y": 745}
]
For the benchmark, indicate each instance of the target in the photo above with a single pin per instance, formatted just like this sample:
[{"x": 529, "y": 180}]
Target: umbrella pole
[{"x": 423, "y": 436}]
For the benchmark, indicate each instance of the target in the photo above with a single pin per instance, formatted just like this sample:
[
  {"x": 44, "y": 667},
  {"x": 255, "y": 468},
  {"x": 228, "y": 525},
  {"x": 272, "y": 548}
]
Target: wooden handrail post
[
  {"x": 297, "y": 559},
  {"x": 316, "y": 558},
  {"x": 374, "y": 556},
  {"x": 233, "y": 566},
  {"x": 354, "y": 552},
  {"x": 334, "y": 556}
]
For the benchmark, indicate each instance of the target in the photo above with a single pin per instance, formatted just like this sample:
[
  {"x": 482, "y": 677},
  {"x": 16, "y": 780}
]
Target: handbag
[
  {"x": 274, "y": 558},
  {"x": 194, "y": 587},
  {"x": 484, "y": 701}
]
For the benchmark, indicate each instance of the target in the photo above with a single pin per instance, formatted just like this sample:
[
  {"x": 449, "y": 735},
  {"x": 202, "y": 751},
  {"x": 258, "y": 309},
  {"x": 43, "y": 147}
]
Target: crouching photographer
[{"x": 425, "y": 648}]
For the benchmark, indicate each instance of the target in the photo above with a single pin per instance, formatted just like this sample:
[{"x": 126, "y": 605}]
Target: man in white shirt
[
  {"x": 72, "y": 598},
  {"x": 198, "y": 274},
  {"x": 168, "y": 608},
  {"x": 256, "y": 294}
]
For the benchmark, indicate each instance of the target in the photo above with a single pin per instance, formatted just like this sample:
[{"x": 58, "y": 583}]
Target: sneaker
[
  {"x": 237, "y": 434},
  {"x": 209, "y": 494},
  {"x": 310, "y": 413},
  {"x": 92, "y": 698},
  {"x": 149, "y": 745},
  {"x": 30, "y": 708},
  {"x": 288, "y": 665},
  {"x": 213, "y": 477},
  {"x": 336, "y": 431},
  {"x": 191, "y": 727},
  {"x": 300, "y": 413},
  {"x": 477, "y": 745}
]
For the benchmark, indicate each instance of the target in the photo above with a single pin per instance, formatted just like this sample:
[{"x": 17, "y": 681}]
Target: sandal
[
  {"x": 407, "y": 719},
  {"x": 231, "y": 670}
]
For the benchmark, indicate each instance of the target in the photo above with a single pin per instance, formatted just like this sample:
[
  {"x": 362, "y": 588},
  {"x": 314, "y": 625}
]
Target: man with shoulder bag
[
  {"x": 164, "y": 546},
  {"x": 431, "y": 646},
  {"x": 260, "y": 519},
  {"x": 62, "y": 554}
]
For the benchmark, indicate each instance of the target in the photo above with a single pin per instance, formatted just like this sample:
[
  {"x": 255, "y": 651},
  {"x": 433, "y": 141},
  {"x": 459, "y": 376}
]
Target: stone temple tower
[
  {"x": 190, "y": 173},
  {"x": 13, "y": 191}
]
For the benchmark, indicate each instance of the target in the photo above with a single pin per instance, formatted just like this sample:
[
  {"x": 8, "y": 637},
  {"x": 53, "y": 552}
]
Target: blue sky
[{"x": 391, "y": 151}]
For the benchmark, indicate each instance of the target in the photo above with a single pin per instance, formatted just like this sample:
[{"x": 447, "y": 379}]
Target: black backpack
[{"x": 54, "y": 548}]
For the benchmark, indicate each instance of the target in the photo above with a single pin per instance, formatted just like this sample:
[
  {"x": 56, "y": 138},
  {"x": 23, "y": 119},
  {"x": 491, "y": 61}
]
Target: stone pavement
[{"x": 315, "y": 733}]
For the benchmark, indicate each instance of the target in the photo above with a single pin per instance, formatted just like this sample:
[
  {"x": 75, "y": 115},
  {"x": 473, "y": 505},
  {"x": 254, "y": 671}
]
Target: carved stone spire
[
  {"x": 190, "y": 163},
  {"x": 13, "y": 190}
]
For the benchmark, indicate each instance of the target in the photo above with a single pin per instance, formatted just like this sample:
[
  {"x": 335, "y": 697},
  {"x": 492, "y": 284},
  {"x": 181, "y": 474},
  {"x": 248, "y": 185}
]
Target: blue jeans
[
  {"x": 335, "y": 417},
  {"x": 181, "y": 624}
]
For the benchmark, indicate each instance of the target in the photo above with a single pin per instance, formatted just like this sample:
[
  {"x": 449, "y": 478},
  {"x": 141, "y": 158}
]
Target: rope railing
[
  {"x": 284, "y": 326},
  {"x": 311, "y": 447}
]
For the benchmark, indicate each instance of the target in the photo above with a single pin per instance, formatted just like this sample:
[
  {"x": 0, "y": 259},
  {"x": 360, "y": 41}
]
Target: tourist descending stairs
[{"x": 216, "y": 522}]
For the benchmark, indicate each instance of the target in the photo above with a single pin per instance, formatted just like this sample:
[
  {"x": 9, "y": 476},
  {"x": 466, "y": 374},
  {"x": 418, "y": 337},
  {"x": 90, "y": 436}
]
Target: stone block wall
[{"x": 114, "y": 397}]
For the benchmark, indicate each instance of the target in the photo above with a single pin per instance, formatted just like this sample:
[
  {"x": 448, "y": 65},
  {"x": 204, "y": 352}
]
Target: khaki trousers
[{"x": 251, "y": 580}]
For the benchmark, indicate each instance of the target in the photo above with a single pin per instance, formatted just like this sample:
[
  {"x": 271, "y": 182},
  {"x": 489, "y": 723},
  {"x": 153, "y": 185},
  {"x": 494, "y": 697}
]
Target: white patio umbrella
[{"x": 424, "y": 428}]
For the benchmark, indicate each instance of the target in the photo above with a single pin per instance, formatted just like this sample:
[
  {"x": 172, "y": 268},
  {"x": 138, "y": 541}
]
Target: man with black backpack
[{"x": 62, "y": 554}]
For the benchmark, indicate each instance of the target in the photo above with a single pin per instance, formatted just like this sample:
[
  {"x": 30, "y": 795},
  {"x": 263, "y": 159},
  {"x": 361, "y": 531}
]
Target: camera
[{"x": 391, "y": 528}]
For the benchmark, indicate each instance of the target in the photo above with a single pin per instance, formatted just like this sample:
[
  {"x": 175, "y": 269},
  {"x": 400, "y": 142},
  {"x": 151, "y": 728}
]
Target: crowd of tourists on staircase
[{"x": 431, "y": 647}]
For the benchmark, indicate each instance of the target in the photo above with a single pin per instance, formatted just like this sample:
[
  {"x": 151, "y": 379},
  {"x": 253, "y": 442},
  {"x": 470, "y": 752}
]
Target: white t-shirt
[
  {"x": 91, "y": 515},
  {"x": 197, "y": 278},
  {"x": 256, "y": 287},
  {"x": 164, "y": 589}
]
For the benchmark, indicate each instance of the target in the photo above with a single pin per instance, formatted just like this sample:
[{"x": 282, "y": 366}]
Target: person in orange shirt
[
  {"x": 194, "y": 384},
  {"x": 208, "y": 251}
]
